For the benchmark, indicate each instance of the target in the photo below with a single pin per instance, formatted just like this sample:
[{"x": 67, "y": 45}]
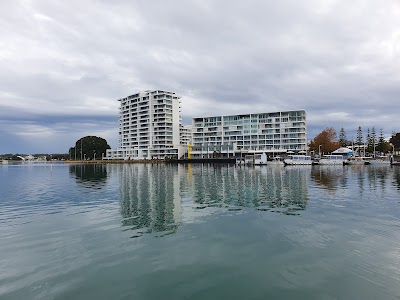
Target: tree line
[{"x": 327, "y": 141}]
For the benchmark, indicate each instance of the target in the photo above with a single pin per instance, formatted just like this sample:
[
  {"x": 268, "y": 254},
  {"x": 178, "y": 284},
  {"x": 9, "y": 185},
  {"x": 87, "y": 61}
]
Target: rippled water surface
[{"x": 136, "y": 231}]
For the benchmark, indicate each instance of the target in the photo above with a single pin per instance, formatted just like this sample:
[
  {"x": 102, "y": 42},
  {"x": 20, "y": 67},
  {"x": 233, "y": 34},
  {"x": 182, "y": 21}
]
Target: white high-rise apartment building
[
  {"x": 229, "y": 136},
  {"x": 149, "y": 125}
]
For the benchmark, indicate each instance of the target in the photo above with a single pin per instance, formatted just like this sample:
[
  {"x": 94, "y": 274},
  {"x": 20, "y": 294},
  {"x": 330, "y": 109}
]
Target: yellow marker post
[{"x": 189, "y": 151}]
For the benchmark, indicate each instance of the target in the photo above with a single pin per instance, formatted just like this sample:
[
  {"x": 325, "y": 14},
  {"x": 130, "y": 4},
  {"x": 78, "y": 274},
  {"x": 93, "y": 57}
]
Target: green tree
[
  {"x": 383, "y": 146},
  {"x": 89, "y": 147},
  {"x": 373, "y": 138},
  {"x": 359, "y": 139},
  {"x": 369, "y": 142},
  {"x": 342, "y": 138},
  {"x": 395, "y": 140}
]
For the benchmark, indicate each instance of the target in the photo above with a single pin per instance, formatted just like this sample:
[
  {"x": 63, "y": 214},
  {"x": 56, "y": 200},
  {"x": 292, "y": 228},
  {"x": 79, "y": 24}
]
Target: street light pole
[{"x": 319, "y": 148}]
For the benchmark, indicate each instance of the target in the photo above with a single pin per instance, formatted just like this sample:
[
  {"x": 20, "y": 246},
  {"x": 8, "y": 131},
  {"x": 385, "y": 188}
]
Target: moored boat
[
  {"x": 240, "y": 161},
  {"x": 260, "y": 159},
  {"x": 332, "y": 160},
  {"x": 298, "y": 160},
  {"x": 379, "y": 160},
  {"x": 357, "y": 161},
  {"x": 249, "y": 160},
  {"x": 276, "y": 161}
]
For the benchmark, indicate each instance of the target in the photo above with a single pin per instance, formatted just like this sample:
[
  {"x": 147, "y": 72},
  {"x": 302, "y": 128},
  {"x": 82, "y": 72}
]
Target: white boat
[
  {"x": 240, "y": 161},
  {"x": 249, "y": 160},
  {"x": 344, "y": 151},
  {"x": 332, "y": 160},
  {"x": 357, "y": 161},
  {"x": 276, "y": 161},
  {"x": 379, "y": 160},
  {"x": 298, "y": 160},
  {"x": 260, "y": 159},
  {"x": 4, "y": 162}
]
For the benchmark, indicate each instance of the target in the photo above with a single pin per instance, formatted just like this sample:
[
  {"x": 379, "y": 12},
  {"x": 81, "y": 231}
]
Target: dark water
[{"x": 199, "y": 232}]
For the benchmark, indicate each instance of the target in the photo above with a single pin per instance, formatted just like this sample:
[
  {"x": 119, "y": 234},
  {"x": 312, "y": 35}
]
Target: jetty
[{"x": 115, "y": 161}]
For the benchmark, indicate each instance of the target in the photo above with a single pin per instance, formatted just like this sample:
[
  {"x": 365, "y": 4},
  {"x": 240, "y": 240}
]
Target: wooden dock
[
  {"x": 156, "y": 161},
  {"x": 115, "y": 161},
  {"x": 202, "y": 161}
]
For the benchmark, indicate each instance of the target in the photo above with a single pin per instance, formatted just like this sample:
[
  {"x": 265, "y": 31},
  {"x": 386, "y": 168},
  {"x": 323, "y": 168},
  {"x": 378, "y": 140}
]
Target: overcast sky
[{"x": 64, "y": 64}]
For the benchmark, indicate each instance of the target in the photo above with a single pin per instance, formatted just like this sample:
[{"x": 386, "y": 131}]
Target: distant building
[
  {"x": 229, "y": 136},
  {"x": 185, "y": 132},
  {"x": 149, "y": 125}
]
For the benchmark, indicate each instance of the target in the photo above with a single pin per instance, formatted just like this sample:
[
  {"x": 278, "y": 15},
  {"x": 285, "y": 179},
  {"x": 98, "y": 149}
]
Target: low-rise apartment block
[{"x": 232, "y": 135}]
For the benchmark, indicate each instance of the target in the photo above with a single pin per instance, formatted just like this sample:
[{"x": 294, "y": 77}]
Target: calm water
[{"x": 199, "y": 232}]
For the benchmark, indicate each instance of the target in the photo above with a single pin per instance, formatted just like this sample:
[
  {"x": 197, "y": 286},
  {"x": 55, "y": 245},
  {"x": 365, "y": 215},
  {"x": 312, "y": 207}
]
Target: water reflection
[
  {"x": 154, "y": 198},
  {"x": 377, "y": 176},
  {"x": 329, "y": 177},
  {"x": 54, "y": 249},
  {"x": 150, "y": 198},
  {"x": 357, "y": 177},
  {"x": 90, "y": 175},
  {"x": 396, "y": 177},
  {"x": 282, "y": 190},
  {"x": 151, "y": 195}
]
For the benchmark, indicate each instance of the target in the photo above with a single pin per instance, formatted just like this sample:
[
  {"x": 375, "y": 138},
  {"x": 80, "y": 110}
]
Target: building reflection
[
  {"x": 150, "y": 198},
  {"x": 153, "y": 197},
  {"x": 90, "y": 175},
  {"x": 282, "y": 190}
]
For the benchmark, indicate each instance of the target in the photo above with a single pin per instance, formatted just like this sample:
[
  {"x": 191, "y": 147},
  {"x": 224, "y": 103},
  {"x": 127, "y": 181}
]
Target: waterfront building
[
  {"x": 149, "y": 124},
  {"x": 234, "y": 135},
  {"x": 185, "y": 132}
]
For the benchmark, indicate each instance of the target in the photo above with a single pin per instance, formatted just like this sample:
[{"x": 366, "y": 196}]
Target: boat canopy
[{"x": 343, "y": 151}]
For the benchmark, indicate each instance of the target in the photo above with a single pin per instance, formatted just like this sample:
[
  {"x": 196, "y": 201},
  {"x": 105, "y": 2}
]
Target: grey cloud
[{"x": 338, "y": 60}]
